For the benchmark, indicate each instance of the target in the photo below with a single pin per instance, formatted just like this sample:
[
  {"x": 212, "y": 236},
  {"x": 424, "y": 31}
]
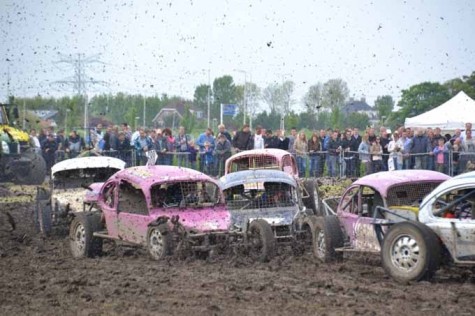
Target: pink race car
[{"x": 163, "y": 208}]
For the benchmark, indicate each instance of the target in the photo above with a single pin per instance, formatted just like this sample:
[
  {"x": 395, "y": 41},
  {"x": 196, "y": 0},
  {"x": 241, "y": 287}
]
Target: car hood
[
  {"x": 281, "y": 216},
  {"x": 69, "y": 199}
]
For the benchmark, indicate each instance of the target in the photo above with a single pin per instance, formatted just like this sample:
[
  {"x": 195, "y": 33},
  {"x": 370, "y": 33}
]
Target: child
[
  {"x": 208, "y": 159},
  {"x": 192, "y": 153},
  {"x": 439, "y": 152}
]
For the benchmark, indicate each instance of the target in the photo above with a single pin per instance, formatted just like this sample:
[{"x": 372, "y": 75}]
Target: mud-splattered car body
[
  {"x": 67, "y": 192},
  {"x": 269, "y": 195},
  {"x": 276, "y": 159},
  {"x": 443, "y": 233},
  {"x": 400, "y": 192}
]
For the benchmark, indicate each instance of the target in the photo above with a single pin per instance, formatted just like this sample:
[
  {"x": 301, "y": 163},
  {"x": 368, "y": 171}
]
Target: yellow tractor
[{"x": 19, "y": 162}]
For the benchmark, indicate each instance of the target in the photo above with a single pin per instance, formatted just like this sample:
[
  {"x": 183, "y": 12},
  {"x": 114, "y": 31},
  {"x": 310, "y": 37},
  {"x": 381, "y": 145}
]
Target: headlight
[{"x": 5, "y": 148}]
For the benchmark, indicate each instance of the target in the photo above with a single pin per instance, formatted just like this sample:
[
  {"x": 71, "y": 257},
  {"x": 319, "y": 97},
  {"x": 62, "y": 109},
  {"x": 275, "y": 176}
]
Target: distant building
[
  {"x": 360, "y": 106},
  {"x": 47, "y": 117}
]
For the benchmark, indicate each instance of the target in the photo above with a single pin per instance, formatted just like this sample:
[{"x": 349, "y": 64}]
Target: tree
[
  {"x": 359, "y": 120},
  {"x": 465, "y": 84},
  {"x": 313, "y": 98},
  {"x": 384, "y": 105},
  {"x": 272, "y": 96},
  {"x": 188, "y": 120},
  {"x": 334, "y": 93},
  {"x": 418, "y": 99},
  {"x": 224, "y": 91},
  {"x": 200, "y": 97}
]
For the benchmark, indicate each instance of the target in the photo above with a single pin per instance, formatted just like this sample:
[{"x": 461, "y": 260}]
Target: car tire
[
  {"x": 312, "y": 201},
  {"x": 37, "y": 170},
  {"x": 81, "y": 239},
  {"x": 411, "y": 251},
  {"x": 159, "y": 241},
  {"x": 303, "y": 241},
  {"x": 327, "y": 236},
  {"x": 261, "y": 240}
]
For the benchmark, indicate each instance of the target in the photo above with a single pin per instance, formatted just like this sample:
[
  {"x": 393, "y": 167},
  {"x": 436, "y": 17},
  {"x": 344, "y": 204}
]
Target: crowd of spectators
[{"x": 332, "y": 152}]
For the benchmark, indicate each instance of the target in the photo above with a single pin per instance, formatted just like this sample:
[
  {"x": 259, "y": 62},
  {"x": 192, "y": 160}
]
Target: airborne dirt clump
[{"x": 39, "y": 276}]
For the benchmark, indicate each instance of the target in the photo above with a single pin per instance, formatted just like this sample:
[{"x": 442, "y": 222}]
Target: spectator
[
  {"x": 347, "y": 159},
  {"x": 192, "y": 153},
  {"x": 271, "y": 141},
  {"x": 243, "y": 139},
  {"x": 258, "y": 139},
  {"x": 181, "y": 145},
  {"x": 74, "y": 144},
  {"x": 292, "y": 138},
  {"x": 124, "y": 150},
  {"x": 126, "y": 131},
  {"x": 376, "y": 152},
  {"x": 202, "y": 139},
  {"x": 222, "y": 152},
  {"x": 207, "y": 158},
  {"x": 301, "y": 151},
  {"x": 395, "y": 161},
  {"x": 142, "y": 145},
  {"x": 420, "y": 147},
  {"x": 354, "y": 145},
  {"x": 283, "y": 140},
  {"x": 405, "y": 144},
  {"x": 440, "y": 154},
  {"x": 34, "y": 141},
  {"x": 314, "y": 147},
  {"x": 49, "y": 148},
  {"x": 384, "y": 142},
  {"x": 168, "y": 157},
  {"x": 371, "y": 135},
  {"x": 160, "y": 144},
  {"x": 222, "y": 130},
  {"x": 364, "y": 152},
  {"x": 334, "y": 149}
]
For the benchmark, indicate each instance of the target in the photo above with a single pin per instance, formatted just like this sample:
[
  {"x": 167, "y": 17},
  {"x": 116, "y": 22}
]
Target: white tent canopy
[{"x": 450, "y": 115}]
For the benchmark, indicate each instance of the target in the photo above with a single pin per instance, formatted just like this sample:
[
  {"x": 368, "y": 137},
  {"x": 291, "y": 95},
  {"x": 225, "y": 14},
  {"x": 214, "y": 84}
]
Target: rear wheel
[
  {"x": 410, "y": 252},
  {"x": 159, "y": 242},
  {"x": 261, "y": 241},
  {"x": 81, "y": 239},
  {"x": 327, "y": 236},
  {"x": 312, "y": 201}
]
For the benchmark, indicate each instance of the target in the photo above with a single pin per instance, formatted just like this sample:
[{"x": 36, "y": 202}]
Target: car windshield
[
  {"x": 254, "y": 162},
  {"x": 259, "y": 195},
  {"x": 185, "y": 194},
  {"x": 77, "y": 178},
  {"x": 410, "y": 194}
]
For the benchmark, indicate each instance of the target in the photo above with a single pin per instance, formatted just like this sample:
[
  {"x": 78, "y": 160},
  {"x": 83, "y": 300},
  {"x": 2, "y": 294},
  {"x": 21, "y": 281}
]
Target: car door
[
  {"x": 347, "y": 212},
  {"x": 365, "y": 238},
  {"x": 132, "y": 212},
  {"x": 456, "y": 225},
  {"x": 108, "y": 204}
]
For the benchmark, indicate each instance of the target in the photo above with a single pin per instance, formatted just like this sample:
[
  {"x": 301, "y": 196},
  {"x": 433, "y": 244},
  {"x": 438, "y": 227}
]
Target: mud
[{"x": 38, "y": 276}]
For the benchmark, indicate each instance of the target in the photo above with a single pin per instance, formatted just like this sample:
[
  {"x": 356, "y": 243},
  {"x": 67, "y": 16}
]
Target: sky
[{"x": 154, "y": 47}]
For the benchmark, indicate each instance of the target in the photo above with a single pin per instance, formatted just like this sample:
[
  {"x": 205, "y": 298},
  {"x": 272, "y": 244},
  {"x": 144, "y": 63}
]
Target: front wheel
[
  {"x": 410, "y": 252},
  {"x": 159, "y": 242},
  {"x": 81, "y": 239},
  {"x": 261, "y": 241},
  {"x": 327, "y": 236}
]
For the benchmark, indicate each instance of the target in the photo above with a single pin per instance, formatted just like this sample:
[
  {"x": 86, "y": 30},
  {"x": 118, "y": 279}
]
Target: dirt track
[{"x": 38, "y": 276}]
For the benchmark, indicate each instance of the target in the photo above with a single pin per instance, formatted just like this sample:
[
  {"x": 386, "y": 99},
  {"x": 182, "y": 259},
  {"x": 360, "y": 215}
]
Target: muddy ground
[{"x": 38, "y": 276}]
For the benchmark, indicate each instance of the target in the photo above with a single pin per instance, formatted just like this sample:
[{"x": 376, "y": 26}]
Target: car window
[
  {"x": 370, "y": 200},
  {"x": 349, "y": 201},
  {"x": 457, "y": 203},
  {"x": 183, "y": 194},
  {"x": 109, "y": 195},
  {"x": 254, "y": 162},
  {"x": 409, "y": 194},
  {"x": 131, "y": 199},
  {"x": 259, "y": 195}
]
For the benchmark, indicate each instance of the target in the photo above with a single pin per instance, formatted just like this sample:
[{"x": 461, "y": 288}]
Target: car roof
[
  {"x": 87, "y": 163},
  {"x": 147, "y": 176},
  {"x": 470, "y": 174},
  {"x": 455, "y": 182},
  {"x": 278, "y": 153},
  {"x": 246, "y": 176},
  {"x": 383, "y": 181}
]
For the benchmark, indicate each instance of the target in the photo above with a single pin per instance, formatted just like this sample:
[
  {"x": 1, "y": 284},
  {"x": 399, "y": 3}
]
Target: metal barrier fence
[{"x": 318, "y": 164}]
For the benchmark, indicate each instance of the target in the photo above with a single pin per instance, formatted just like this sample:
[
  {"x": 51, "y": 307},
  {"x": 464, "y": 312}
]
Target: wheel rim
[
  {"x": 320, "y": 244},
  {"x": 255, "y": 243},
  {"x": 79, "y": 239},
  {"x": 156, "y": 243},
  {"x": 405, "y": 253}
]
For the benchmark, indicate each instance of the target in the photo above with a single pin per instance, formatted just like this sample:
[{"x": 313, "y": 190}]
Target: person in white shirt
[
  {"x": 35, "y": 142},
  {"x": 258, "y": 139}
]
